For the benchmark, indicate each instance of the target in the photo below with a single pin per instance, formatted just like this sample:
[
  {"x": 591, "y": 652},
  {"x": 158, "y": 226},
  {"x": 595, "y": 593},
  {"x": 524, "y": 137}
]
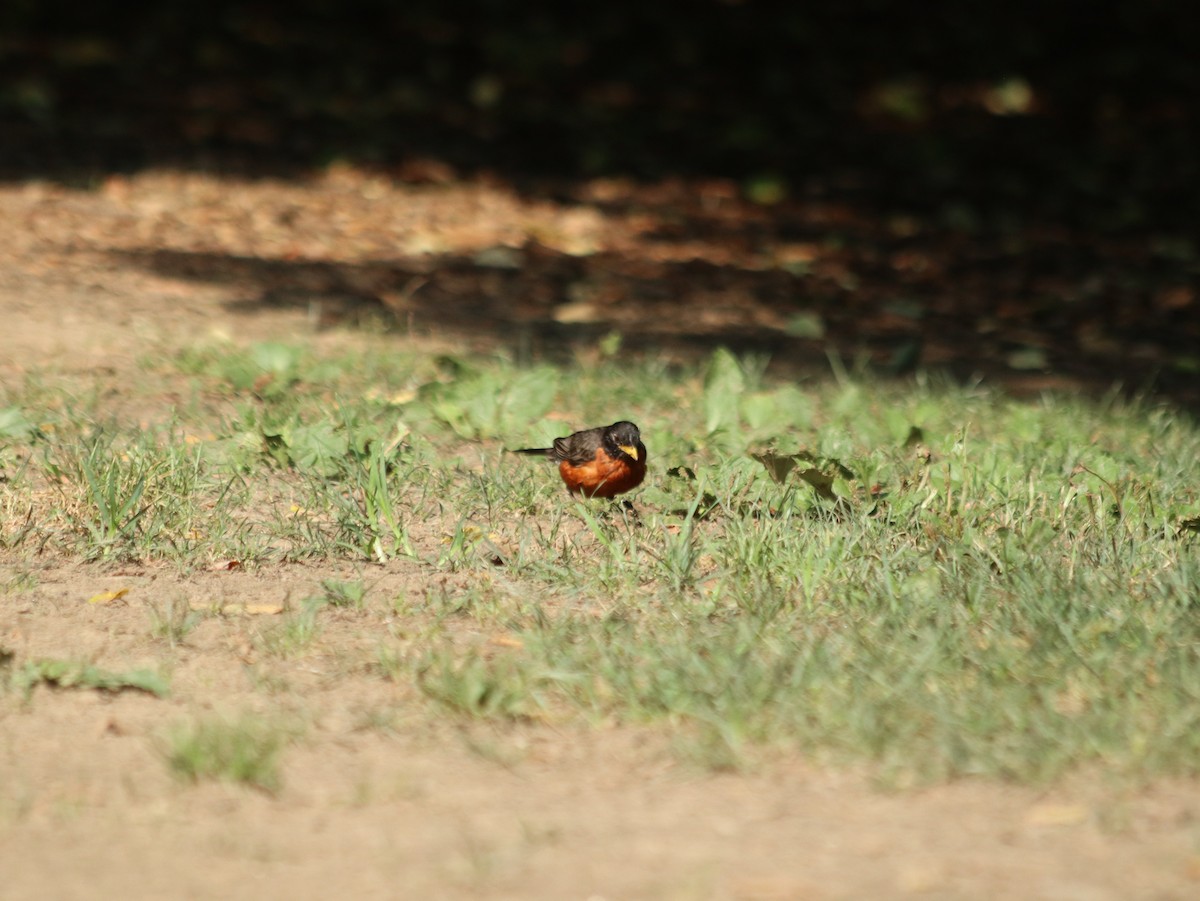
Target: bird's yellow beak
[{"x": 629, "y": 449}]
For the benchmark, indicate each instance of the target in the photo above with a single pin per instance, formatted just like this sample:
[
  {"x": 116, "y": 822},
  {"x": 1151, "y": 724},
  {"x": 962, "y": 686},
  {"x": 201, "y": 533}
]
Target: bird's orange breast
[{"x": 603, "y": 476}]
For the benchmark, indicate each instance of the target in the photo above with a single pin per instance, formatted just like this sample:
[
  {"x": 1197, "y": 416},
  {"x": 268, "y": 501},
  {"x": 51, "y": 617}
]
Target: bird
[{"x": 601, "y": 462}]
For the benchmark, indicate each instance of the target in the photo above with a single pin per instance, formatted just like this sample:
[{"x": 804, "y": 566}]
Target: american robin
[{"x": 600, "y": 462}]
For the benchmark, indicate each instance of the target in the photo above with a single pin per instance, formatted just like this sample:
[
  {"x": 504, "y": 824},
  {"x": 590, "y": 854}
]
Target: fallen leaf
[
  {"x": 1191, "y": 524},
  {"x": 226, "y": 565},
  {"x": 580, "y": 311},
  {"x": 252, "y": 609},
  {"x": 777, "y": 465},
  {"x": 821, "y": 482},
  {"x": 1051, "y": 814},
  {"x": 820, "y": 476},
  {"x": 506, "y": 641},
  {"x": 806, "y": 325},
  {"x": 107, "y": 597},
  {"x": 263, "y": 609},
  {"x": 1027, "y": 358}
]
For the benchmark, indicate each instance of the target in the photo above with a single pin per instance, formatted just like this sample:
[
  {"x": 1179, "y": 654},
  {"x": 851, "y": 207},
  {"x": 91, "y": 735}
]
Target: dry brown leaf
[
  {"x": 506, "y": 641},
  {"x": 581, "y": 311},
  {"x": 1052, "y": 814},
  {"x": 252, "y": 609}
]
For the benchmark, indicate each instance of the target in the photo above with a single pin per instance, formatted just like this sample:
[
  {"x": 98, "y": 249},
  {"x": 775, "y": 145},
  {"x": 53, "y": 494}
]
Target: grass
[
  {"x": 294, "y": 634},
  {"x": 173, "y": 619},
  {"x": 245, "y": 750},
  {"x": 342, "y": 593},
  {"x": 935, "y": 578},
  {"x": 72, "y": 674}
]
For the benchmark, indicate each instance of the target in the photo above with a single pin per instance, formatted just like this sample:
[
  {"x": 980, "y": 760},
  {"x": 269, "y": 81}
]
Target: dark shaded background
[{"x": 1048, "y": 148}]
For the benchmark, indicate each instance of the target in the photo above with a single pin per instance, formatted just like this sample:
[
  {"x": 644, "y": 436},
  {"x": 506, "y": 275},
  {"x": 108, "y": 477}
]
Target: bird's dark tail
[{"x": 533, "y": 451}]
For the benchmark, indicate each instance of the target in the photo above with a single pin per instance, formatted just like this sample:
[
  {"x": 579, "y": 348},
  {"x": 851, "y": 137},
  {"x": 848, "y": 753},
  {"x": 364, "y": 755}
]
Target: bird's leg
[{"x": 628, "y": 508}]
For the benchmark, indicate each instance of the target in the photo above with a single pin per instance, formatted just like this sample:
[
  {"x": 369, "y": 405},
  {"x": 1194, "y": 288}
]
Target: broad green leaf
[
  {"x": 723, "y": 387},
  {"x": 14, "y": 424},
  {"x": 276, "y": 358},
  {"x": 317, "y": 447},
  {"x": 529, "y": 396}
]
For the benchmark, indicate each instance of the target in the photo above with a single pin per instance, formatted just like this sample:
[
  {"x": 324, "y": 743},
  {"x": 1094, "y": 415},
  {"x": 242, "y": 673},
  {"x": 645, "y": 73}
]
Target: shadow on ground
[
  {"x": 1030, "y": 309},
  {"x": 965, "y": 189}
]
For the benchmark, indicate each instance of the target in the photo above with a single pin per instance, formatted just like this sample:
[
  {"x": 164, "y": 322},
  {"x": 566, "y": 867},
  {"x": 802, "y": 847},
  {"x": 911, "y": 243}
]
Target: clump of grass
[
  {"x": 295, "y": 634},
  {"x": 373, "y": 519},
  {"x": 19, "y": 582},
  {"x": 130, "y": 498},
  {"x": 346, "y": 594},
  {"x": 244, "y": 750},
  {"x": 173, "y": 619},
  {"x": 479, "y": 685},
  {"x": 391, "y": 662},
  {"x": 71, "y": 674}
]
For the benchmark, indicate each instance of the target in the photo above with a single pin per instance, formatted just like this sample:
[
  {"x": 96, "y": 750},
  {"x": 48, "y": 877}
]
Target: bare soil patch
[{"x": 382, "y": 795}]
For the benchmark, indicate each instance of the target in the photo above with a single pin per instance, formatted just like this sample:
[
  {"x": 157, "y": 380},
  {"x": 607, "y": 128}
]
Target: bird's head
[{"x": 625, "y": 439}]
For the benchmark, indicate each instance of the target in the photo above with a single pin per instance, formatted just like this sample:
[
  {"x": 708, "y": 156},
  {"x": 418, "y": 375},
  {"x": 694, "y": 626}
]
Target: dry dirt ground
[{"x": 380, "y": 798}]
